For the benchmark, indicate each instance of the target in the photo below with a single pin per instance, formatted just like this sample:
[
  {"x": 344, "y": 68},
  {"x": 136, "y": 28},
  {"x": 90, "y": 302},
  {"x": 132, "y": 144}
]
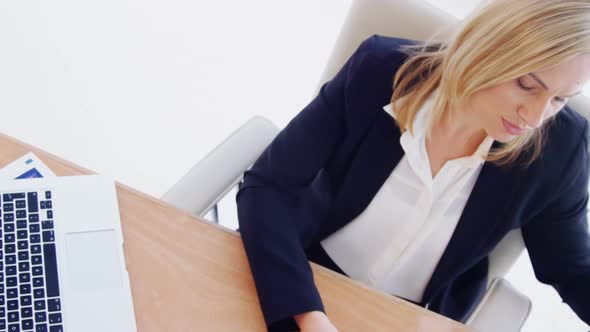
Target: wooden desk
[{"x": 190, "y": 275}]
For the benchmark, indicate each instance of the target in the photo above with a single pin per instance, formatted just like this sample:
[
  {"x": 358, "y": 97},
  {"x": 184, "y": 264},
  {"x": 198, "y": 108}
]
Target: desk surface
[{"x": 190, "y": 275}]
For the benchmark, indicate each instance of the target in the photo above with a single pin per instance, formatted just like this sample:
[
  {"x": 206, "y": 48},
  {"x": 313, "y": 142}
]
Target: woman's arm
[
  {"x": 557, "y": 239},
  {"x": 275, "y": 226}
]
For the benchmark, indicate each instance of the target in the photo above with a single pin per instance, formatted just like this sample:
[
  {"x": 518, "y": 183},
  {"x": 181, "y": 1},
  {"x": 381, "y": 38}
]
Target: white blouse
[{"x": 397, "y": 241}]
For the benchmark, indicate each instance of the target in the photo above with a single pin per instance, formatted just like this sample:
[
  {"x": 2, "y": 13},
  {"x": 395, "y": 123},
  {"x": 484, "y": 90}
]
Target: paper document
[{"x": 27, "y": 166}]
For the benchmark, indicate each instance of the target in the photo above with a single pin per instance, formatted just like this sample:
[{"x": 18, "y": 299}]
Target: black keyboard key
[
  {"x": 23, "y": 245},
  {"x": 48, "y": 204},
  {"x": 27, "y": 324},
  {"x": 33, "y": 218},
  {"x": 10, "y": 249},
  {"x": 9, "y": 227},
  {"x": 38, "y": 282},
  {"x": 26, "y": 312},
  {"x": 9, "y": 238},
  {"x": 11, "y": 293},
  {"x": 2, "y": 312},
  {"x": 2, "y": 324},
  {"x": 34, "y": 228},
  {"x": 13, "y": 327},
  {"x": 20, "y": 224},
  {"x": 23, "y": 256},
  {"x": 39, "y": 305},
  {"x": 38, "y": 293},
  {"x": 25, "y": 289},
  {"x": 49, "y": 214},
  {"x": 53, "y": 305},
  {"x": 48, "y": 236},
  {"x": 20, "y": 204},
  {"x": 32, "y": 202},
  {"x": 23, "y": 266},
  {"x": 11, "y": 270},
  {"x": 10, "y": 259},
  {"x": 8, "y": 207},
  {"x": 21, "y": 214},
  {"x": 36, "y": 248},
  {"x": 10, "y": 197},
  {"x": 12, "y": 305},
  {"x": 35, "y": 238},
  {"x": 54, "y": 318},
  {"x": 37, "y": 270},
  {"x": 41, "y": 328},
  {"x": 1, "y": 278},
  {"x": 42, "y": 204},
  {"x": 11, "y": 281},
  {"x": 8, "y": 217},
  {"x": 13, "y": 317},
  {"x": 36, "y": 259},
  {"x": 56, "y": 328},
  {"x": 50, "y": 259},
  {"x": 47, "y": 224},
  {"x": 48, "y": 194},
  {"x": 40, "y": 317},
  {"x": 1, "y": 300},
  {"x": 25, "y": 301},
  {"x": 24, "y": 277}
]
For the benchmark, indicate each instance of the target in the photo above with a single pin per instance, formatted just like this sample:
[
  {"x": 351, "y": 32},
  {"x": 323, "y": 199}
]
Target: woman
[{"x": 474, "y": 141}]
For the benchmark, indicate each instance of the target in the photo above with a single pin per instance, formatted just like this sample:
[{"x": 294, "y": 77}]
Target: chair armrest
[
  {"x": 502, "y": 309},
  {"x": 218, "y": 172}
]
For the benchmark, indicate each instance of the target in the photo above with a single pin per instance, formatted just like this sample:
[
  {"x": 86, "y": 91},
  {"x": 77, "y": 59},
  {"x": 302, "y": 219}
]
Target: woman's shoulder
[
  {"x": 565, "y": 148},
  {"x": 373, "y": 66},
  {"x": 568, "y": 129},
  {"x": 386, "y": 48}
]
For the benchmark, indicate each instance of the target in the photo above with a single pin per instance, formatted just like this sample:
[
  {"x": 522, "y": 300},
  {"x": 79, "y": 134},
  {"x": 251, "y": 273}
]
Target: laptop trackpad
[{"x": 93, "y": 261}]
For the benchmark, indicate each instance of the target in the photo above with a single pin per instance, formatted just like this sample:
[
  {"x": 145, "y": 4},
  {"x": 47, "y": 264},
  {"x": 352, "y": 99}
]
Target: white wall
[{"x": 141, "y": 90}]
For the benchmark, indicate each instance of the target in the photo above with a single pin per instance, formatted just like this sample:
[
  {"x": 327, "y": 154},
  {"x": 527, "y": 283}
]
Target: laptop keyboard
[{"x": 29, "y": 289}]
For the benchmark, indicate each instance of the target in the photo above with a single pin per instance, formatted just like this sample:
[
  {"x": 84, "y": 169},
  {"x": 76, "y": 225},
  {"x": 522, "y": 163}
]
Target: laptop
[{"x": 62, "y": 266}]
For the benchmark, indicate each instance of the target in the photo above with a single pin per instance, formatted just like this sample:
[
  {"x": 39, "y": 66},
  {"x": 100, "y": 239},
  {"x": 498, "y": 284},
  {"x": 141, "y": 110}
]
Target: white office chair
[
  {"x": 503, "y": 308},
  {"x": 199, "y": 190}
]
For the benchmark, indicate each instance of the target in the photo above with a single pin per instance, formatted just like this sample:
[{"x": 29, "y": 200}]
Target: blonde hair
[{"x": 499, "y": 42}]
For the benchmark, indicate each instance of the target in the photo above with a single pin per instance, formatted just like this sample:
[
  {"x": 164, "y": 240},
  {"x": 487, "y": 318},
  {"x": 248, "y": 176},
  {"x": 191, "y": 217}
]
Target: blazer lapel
[
  {"x": 378, "y": 154},
  {"x": 494, "y": 189}
]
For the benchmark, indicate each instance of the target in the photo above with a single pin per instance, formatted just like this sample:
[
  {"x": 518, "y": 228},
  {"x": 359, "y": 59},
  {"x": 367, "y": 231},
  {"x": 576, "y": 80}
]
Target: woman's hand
[{"x": 314, "y": 321}]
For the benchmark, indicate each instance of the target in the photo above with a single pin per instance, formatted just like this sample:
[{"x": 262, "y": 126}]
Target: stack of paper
[{"x": 27, "y": 166}]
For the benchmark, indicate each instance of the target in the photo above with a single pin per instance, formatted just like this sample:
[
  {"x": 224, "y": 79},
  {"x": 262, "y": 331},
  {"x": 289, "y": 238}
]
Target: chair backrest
[
  {"x": 418, "y": 20},
  {"x": 410, "y": 19},
  {"x": 221, "y": 170}
]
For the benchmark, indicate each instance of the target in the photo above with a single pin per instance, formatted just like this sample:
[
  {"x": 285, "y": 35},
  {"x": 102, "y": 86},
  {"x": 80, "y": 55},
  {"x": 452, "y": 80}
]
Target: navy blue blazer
[{"x": 324, "y": 168}]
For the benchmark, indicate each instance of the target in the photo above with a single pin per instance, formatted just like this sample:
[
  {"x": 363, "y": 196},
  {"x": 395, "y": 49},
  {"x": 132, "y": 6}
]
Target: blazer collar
[{"x": 378, "y": 154}]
